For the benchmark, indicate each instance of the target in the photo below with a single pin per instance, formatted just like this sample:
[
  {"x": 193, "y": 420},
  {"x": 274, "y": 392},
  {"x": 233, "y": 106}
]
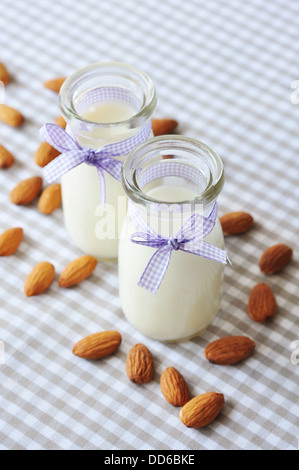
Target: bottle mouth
[
  {"x": 108, "y": 81},
  {"x": 173, "y": 160}
]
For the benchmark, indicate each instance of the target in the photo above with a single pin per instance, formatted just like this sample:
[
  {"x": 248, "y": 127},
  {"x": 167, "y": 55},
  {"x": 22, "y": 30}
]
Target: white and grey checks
[{"x": 224, "y": 71}]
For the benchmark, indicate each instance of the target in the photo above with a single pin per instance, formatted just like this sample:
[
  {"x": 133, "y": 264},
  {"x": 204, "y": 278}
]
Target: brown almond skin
[
  {"x": 163, "y": 126},
  {"x": 229, "y": 350},
  {"x": 10, "y": 241},
  {"x": 26, "y": 191},
  {"x": 98, "y": 345},
  {"x": 6, "y": 158},
  {"x": 40, "y": 279},
  {"x": 174, "y": 387},
  {"x": 11, "y": 116},
  {"x": 275, "y": 258},
  {"x": 140, "y": 364},
  {"x": 262, "y": 303},
  {"x": 202, "y": 410},
  {"x": 44, "y": 154},
  {"x": 235, "y": 223},
  {"x": 60, "y": 121},
  {"x": 4, "y": 75},
  {"x": 77, "y": 270},
  {"x": 50, "y": 199},
  {"x": 55, "y": 84}
]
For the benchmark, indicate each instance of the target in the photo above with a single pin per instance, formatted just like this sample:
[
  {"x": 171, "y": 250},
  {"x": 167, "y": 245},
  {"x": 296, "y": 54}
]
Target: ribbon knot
[
  {"x": 190, "y": 239},
  {"x": 175, "y": 244},
  {"x": 90, "y": 156}
]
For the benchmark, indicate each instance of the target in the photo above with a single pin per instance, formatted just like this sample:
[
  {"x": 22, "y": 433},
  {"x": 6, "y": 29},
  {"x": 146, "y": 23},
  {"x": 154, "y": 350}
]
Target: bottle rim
[
  {"x": 197, "y": 155},
  {"x": 119, "y": 70}
]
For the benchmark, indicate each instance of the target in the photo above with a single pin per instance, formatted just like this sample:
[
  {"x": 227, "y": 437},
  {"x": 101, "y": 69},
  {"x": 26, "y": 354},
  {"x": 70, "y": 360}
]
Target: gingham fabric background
[{"x": 224, "y": 70}]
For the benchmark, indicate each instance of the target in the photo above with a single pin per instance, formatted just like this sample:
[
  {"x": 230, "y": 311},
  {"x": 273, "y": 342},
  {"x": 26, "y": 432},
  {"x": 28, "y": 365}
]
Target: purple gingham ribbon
[
  {"x": 72, "y": 154},
  {"x": 190, "y": 238}
]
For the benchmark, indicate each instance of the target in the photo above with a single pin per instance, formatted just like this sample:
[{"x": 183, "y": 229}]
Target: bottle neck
[{"x": 106, "y": 103}]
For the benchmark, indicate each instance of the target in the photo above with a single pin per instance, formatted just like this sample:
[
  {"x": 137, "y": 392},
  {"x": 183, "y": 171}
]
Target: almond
[
  {"x": 4, "y": 75},
  {"x": 60, "y": 121},
  {"x": 229, "y": 350},
  {"x": 50, "y": 199},
  {"x": 163, "y": 126},
  {"x": 140, "y": 364},
  {"x": 78, "y": 270},
  {"x": 26, "y": 191},
  {"x": 45, "y": 154},
  {"x": 262, "y": 303},
  {"x": 55, "y": 84},
  {"x": 234, "y": 223},
  {"x": 6, "y": 158},
  {"x": 10, "y": 241},
  {"x": 202, "y": 409},
  {"x": 174, "y": 387},
  {"x": 275, "y": 258},
  {"x": 10, "y": 116},
  {"x": 40, "y": 279},
  {"x": 98, "y": 345}
]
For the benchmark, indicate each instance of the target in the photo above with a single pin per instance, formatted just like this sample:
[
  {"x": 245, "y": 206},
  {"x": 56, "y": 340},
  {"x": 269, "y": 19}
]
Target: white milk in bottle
[
  {"x": 102, "y": 104},
  {"x": 189, "y": 295}
]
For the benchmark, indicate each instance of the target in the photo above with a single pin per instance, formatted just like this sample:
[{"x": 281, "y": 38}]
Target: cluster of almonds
[
  {"x": 262, "y": 302},
  {"x": 202, "y": 409},
  {"x": 195, "y": 412},
  {"x": 28, "y": 190}
]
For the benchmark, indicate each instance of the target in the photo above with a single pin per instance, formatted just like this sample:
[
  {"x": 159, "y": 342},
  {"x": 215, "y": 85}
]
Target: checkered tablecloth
[{"x": 225, "y": 71}]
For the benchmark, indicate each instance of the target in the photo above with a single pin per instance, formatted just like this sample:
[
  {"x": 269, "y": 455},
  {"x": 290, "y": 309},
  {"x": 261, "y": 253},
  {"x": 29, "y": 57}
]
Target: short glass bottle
[
  {"x": 103, "y": 104},
  {"x": 168, "y": 180}
]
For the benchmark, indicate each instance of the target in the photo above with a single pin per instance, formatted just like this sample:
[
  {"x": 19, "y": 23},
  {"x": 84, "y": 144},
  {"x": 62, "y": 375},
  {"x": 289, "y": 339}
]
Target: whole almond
[
  {"x": 78, "y": 270},
  {"x": 174, "y": 387},
  {"x": 234, "y": 223},
  {"x": 10, "y": 116},
  {"x": 140, "y": 364},
  {"x": 55, "y": 84},
  {"x": 275, "y": 258},
  {"x": 40, "y": 279},
  {"x": 98, "y": 345},
  {"x": 26, "y": 191},
  {"x": 6, "y": 158},
  {"x": 229, "y": 350},
  {"x": 4, "y": 75},
  {"x": 10, "y": 241},
  {"x": 262, "y": 303},
  {"x": 163, "y": 126},
  {"x": 44, "y": 154},
  {"x": 202, "y": 410},
  {"x": 60, "y": 121},
  {"x": 50, "y": 199}
]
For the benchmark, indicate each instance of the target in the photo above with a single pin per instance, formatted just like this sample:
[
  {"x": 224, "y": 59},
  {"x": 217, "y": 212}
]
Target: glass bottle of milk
[
  {"x": 103, "y": 104},
  {"x": 170, "y": 180}
]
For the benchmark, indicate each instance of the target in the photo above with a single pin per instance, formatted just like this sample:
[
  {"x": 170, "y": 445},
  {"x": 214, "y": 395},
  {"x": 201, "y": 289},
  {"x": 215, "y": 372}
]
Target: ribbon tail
[
  {"x": 103, "y": 186},
  {"x": 155, "y": 270}
]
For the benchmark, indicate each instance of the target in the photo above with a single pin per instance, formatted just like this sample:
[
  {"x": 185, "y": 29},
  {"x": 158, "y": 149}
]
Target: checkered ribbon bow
[
  {"x": 190, "y": 239},
  {"x": 72, "y": 154}
]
